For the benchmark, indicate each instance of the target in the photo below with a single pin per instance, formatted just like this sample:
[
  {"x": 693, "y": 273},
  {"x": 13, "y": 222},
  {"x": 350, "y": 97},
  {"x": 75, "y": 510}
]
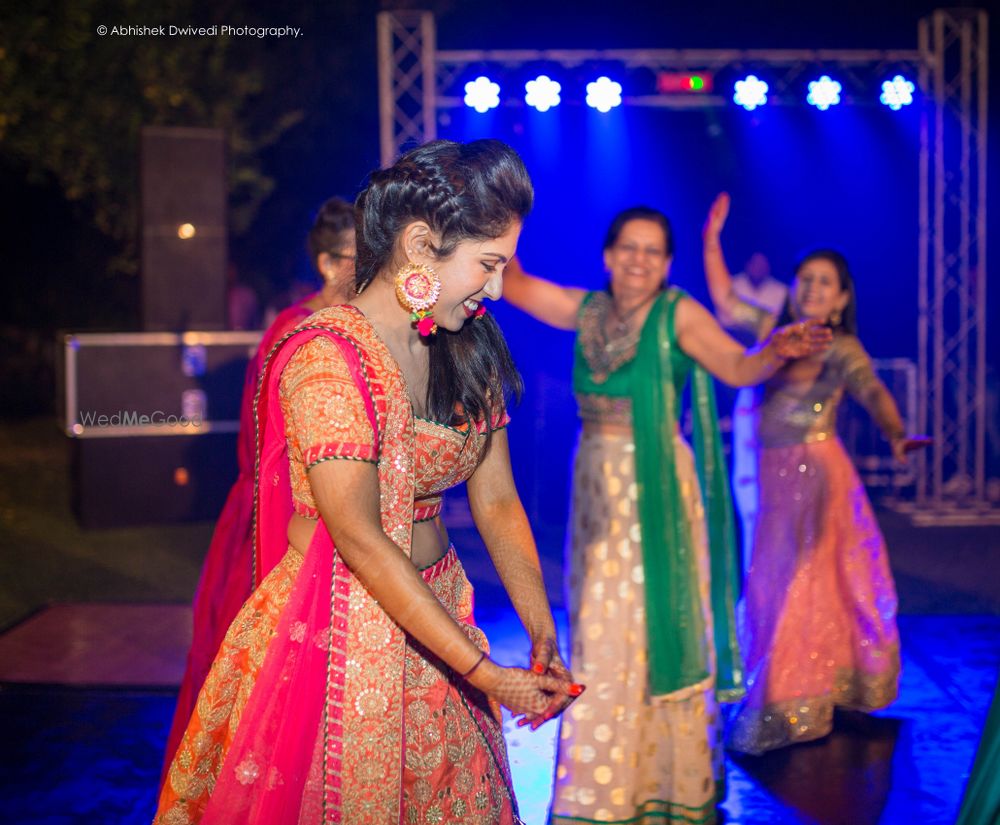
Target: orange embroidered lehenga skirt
[{"x": 455, "y": 763}]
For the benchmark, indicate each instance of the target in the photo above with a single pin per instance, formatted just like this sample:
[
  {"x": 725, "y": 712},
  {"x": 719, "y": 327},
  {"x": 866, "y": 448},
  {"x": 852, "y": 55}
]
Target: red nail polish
[
  {"x": 575, "y": 689},
  {"x": 538, "y": 668}
]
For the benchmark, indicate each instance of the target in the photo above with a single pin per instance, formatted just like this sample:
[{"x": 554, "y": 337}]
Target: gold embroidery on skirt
[
  {"x": 624, "y": 757},
  {"x": 779, "y": 724},
  {"x": 199, "y": 758}
]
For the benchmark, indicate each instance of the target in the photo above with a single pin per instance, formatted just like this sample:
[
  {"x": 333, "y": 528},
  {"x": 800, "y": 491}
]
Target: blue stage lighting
[
  {"x": 542, "y": 93},
  {"x": 824, "y": 93},
  {"x": 750, "y": 92},
  {"x": 604, "y": 94},
  {"x": 897, "y": 93},
  {"x": 482, "y": 94}
]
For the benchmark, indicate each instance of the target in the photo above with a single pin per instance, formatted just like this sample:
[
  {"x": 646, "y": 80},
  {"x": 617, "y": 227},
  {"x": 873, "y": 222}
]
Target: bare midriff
[
  {"x": 606, "y": 428},
  {"x": 430, "y": 538}
]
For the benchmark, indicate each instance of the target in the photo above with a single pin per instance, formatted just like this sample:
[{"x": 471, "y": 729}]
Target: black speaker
[
  {"x": 183, "y": 196},
  {"x": 125, "y": 481},
  {"x": 152, "y": 420}
]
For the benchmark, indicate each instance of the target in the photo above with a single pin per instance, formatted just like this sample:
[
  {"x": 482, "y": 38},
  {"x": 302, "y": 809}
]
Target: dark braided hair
[
  {"x": 333, "y": 221},
  {"x": 463, "y": 191}
]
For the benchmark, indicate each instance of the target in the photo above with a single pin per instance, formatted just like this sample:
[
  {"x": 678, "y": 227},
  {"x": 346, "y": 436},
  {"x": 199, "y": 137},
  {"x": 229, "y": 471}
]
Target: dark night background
[{"x": 302, "y": 119}]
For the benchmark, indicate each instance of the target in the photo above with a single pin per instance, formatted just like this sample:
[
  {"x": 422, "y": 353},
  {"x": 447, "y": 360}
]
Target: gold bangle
[{"x": 479, "y": 661}]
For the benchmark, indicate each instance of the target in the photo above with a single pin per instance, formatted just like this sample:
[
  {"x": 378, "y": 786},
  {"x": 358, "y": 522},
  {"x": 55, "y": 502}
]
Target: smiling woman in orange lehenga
[{"x": 353, "y": 686}]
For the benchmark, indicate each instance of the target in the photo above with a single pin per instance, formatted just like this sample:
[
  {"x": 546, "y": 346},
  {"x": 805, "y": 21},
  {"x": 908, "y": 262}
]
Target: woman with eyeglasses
[
  {"x": 652, "y": 566},
  {"x": 224, "y": 583}
]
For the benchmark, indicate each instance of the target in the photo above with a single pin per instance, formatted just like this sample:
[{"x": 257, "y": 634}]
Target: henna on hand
[
  {"x": 523, "y": 692},
  {"x": 801, "y": 339}
]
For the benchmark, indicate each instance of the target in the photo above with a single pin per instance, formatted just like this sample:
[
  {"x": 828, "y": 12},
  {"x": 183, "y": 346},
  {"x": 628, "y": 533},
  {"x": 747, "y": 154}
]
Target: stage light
[
  {"x": 673, "y": 83},
  {"x": 186, "y": 231},
  {"x": 482, "y": 94},
  {"x": 897, "y": 93},
  {"x": 824, "y": 93},
  {"x": 750, "y": 92},
  {"x": 604, "y": 94},
  {"x": 542, "y": 93}
]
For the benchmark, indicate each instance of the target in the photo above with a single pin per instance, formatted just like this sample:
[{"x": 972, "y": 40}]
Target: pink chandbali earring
[{"x": 417, "y": 289}]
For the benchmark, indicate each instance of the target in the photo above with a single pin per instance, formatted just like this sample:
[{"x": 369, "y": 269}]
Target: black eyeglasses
[{"x": 633, "y": 249}]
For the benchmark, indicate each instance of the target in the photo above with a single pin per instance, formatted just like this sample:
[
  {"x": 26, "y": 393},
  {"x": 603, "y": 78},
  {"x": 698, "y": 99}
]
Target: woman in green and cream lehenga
[{"x": 652, "y": 567}]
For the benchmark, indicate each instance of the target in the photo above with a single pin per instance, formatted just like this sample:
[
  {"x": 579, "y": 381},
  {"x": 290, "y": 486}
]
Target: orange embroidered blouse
[{"x": 325, "y": 418}]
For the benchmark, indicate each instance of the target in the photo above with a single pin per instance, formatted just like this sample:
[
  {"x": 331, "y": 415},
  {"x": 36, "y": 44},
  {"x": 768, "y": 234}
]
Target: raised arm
[
  {"x": 701, "y": 337},
  {"x": 720, "y": 281},
  {"x": 731, "y": 309},
  {"x": 543, "y": 300}
]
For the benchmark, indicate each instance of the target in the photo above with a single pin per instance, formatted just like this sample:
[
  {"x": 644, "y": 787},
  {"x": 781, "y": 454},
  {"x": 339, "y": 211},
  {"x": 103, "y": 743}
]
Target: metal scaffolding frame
[
  {"x": 952, "y": 64},
  {"x": 406, "y": 80},
  {"x": 952, "y": 304}
]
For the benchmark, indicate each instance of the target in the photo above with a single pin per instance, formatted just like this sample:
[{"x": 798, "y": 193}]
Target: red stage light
[{"x": 669, "y": 83}]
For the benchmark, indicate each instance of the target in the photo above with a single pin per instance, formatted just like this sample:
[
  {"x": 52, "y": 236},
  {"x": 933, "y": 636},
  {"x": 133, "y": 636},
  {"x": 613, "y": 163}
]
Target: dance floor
[{"x": 83, "y": 742}]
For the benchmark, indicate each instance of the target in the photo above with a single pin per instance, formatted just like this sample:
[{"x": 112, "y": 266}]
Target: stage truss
[{"x": 952, "y": 66}]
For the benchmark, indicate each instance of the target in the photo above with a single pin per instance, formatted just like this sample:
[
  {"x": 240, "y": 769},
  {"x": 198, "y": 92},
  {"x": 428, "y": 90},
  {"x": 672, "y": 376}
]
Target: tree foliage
[{"x": 72, "y": 102}]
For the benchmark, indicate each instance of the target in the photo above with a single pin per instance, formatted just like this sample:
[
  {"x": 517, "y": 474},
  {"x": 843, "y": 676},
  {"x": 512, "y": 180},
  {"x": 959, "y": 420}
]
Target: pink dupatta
[
  {"x": 225, "y": 581},
  {"x": 320, "y": 739}
]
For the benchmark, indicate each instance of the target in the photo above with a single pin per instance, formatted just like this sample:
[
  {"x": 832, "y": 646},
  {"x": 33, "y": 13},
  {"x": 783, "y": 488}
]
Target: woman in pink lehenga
[
  {"x": 225, "y": 580},
  {"x": 353, "y": 685},
  {"x": 819, "y": 609}
]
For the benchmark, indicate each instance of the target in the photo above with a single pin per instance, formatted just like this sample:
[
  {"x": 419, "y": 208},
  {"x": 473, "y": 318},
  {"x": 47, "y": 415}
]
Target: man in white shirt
[
  {"x": 756, "y": 285},
  {"x": 753, "y": 284}
]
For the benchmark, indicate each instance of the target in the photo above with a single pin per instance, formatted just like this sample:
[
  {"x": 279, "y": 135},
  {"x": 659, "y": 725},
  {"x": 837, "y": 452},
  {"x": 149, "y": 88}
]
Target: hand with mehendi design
[
  {"x": 801, "y": 339},
  {"x": 523, "y": 692},
  {"x": 545, "y": 659}
]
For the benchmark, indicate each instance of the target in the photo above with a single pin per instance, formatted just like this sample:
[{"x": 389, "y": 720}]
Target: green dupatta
[{"x": 678, "y": 655}]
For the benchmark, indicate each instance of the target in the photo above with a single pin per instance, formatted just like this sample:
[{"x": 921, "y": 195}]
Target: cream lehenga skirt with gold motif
[{"x": 625, "y": 757}]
